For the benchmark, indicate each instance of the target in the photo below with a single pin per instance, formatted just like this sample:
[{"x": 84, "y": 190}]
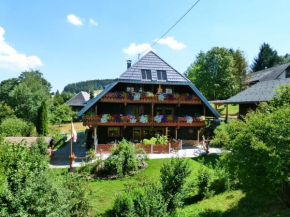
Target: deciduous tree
[{"x": 213, "y": 73}]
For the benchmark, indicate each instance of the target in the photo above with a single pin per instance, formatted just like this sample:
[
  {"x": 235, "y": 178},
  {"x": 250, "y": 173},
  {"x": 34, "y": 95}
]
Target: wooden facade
[{"x": 148, "y": 98}]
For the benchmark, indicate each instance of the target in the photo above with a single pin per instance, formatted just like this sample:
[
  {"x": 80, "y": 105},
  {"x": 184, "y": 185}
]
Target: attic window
[
  {"x": 161, "y": 75},
  {"x": 146, "y": 74}
]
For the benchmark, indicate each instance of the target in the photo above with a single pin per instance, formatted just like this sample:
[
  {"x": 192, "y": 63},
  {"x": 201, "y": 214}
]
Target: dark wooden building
[
  {"x": 149, "y": 97},
  {"x": 262, "y": 91}
]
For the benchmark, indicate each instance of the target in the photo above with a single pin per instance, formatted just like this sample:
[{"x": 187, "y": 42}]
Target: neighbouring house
[
  {"x": 249, "y": 99},
  {"x": 78, "y": 101},
  {"x": 262, "y": 86},
  {"x": 273, "y": 73},
  {"x": 149, "y": 97}
]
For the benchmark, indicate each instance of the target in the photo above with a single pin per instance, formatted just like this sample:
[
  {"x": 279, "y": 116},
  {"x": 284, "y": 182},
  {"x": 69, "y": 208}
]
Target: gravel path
[{"x": 61, "y": 155}]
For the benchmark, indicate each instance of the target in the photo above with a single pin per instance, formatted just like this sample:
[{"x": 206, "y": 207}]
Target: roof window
[
  {"x": 146, "y": 74},
  {"x": 161, "y": 75}
]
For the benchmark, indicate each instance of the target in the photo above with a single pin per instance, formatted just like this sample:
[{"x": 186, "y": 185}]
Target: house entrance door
[{"x": 137, "y": 133}]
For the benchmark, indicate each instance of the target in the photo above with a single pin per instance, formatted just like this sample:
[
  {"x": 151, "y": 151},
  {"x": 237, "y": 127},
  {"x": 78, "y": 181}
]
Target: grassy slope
[
  {"x": 233, "y": 109},
  {"x": 234, "y": 203},
  {"x": 104, "y": 191},
  {"x": 66, "y": 128}
]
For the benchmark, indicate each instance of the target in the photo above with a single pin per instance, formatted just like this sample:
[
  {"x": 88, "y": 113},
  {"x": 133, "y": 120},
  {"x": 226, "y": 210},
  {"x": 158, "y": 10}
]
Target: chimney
[{"x": 128, "y": 64}]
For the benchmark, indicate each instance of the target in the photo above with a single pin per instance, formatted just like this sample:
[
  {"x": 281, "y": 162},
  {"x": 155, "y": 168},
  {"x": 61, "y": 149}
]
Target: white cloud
[
  {"x": 93, "y": 22},
  {"x": 134, "y": 49},
  {"x": 171, "y": 42},
  {"x": 73, "y": 19},
  {"x": 12, "y": 60}
]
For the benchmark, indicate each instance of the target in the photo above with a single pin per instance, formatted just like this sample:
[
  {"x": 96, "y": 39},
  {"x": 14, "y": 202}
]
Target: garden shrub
[
  {"x": 59, "y": 140},
  {"x": 30, "y": 188},
  {"x": 259, "y": 156},
  {"x": 173, "y": 175},
  {"x": 89, "y": 169},
  {"x": 145, "y": 199},
  {"x": 220, "y": 136},
  {"x": 39, "y": 147},
  {"x": 16, "y": 127},
  {"x": 124, "y": 159},
  {"x": 158, "y": 140},
  {"x": 212, "y": 180}
]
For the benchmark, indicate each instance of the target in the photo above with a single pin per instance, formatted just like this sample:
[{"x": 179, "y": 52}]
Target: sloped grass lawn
[
  {"x": 66, "y": 128},
  {"x": 232, "y": 203},
  {"x": 104, "y": 191}
]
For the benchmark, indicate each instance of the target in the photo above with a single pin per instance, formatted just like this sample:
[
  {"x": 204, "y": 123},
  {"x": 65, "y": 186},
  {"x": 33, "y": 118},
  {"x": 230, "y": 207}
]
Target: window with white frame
[
  {"x": 146, "y": 74},
  {"x": 161, "y": 75}
]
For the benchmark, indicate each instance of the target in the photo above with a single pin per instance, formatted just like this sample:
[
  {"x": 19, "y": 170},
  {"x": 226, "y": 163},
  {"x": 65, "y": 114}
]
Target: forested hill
[{"x": 87, "y": 85}]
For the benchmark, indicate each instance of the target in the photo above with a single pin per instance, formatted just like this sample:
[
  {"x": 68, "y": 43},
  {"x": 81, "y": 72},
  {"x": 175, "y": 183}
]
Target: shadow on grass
[
  {"x": 193, "y": 199},
  {"x": 252, "y": 205},
  {"x": 207, "y": 159}
]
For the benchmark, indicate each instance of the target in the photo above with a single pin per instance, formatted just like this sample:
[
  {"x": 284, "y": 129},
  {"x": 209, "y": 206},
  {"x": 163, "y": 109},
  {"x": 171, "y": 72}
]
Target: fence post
[
  {"x": 180, "y": 144},
  {"x": 169, "y": 147},
  {"x": 151, "y": 148}
]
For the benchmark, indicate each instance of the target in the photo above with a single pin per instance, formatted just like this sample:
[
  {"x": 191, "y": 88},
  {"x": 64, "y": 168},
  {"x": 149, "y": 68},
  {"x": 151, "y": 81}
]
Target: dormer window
[
  {"x": 146, "y": 74},
  {"x": 161, "y": 75}
]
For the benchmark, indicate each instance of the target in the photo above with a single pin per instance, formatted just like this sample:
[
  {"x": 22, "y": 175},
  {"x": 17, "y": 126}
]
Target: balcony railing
[
  {"x": 178, "y": 122},
  {"x": 118, "y": 97}
]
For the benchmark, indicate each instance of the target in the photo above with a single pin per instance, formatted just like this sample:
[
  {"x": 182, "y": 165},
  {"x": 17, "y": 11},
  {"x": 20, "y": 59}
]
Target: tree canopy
[
  {"x": 29, "y": 188},
  {"x": 218, "y": 73}
]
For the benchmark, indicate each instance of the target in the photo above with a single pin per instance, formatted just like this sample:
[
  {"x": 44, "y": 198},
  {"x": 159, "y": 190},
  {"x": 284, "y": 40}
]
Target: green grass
[
  {"x": 104, "y": 191},
  {"x": 66, "y": 128},
  {"x": 233, "y": 203},
  {"x": 233, "y": 109}
]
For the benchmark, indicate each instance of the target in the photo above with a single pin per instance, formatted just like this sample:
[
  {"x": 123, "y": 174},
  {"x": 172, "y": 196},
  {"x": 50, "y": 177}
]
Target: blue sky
[{"x": 71, "y": 41}]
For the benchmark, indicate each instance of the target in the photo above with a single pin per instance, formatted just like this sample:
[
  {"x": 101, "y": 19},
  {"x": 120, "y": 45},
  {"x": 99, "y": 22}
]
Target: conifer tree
[
  {"x": 42, "y": 120},
  {"x": 267, "y": 58}
]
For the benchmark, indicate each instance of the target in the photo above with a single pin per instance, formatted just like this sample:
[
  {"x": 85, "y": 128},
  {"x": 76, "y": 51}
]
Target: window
[
  {"x": 287, "y": 73},
  {"x": 161, "y": 75},
  {"x": 164, "y": 111},
  {"x": 146, "y": 74},
  {"x": 130, "y": 89},
  {"x": 113, "y": 131}
]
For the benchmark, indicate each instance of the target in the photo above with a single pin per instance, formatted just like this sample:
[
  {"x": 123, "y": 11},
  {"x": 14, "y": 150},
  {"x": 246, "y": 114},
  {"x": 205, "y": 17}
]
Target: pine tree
[
  {"x": 57, "y": 92},
  {"x": 266, "y": 58},
  {"x": 42, "y": 120}
]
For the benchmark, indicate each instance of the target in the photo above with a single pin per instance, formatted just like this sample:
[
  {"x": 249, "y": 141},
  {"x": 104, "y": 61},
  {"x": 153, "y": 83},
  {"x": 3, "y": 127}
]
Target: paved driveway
[{"x": 61, "y": 156}]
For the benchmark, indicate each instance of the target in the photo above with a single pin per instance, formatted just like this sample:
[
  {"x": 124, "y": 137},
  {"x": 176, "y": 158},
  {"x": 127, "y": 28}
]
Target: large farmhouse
[{"x": 149, "y": 97}]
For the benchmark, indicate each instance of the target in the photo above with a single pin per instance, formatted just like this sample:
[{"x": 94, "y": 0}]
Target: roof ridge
[{"x": 153, "y": 62}]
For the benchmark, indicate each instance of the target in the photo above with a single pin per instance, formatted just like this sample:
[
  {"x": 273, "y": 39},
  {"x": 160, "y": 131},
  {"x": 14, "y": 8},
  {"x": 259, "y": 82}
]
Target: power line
[{"x": 171, "y": 27}]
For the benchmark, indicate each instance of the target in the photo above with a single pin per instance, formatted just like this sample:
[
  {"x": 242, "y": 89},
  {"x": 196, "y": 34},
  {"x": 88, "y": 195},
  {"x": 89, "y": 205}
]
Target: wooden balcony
[
  {"x": 96, "y": 121},
  {"x": 126, "y": 98}
]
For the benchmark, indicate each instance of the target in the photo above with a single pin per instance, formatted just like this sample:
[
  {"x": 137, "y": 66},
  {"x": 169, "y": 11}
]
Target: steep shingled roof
[
  {"x": 79, "y": 99},
  {"x": 152, "y": 62},
  {"x": 261, "y": 92},
  {"x": 267, "y": 74}
]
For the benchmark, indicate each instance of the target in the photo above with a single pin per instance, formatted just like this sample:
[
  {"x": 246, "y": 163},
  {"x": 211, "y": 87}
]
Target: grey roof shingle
[
  {"x": 152, "y": 62},
  {"x": 261, "y": 92},
  {"x": 79, "y": 99},
  {"x": 267, "y": 74}
]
